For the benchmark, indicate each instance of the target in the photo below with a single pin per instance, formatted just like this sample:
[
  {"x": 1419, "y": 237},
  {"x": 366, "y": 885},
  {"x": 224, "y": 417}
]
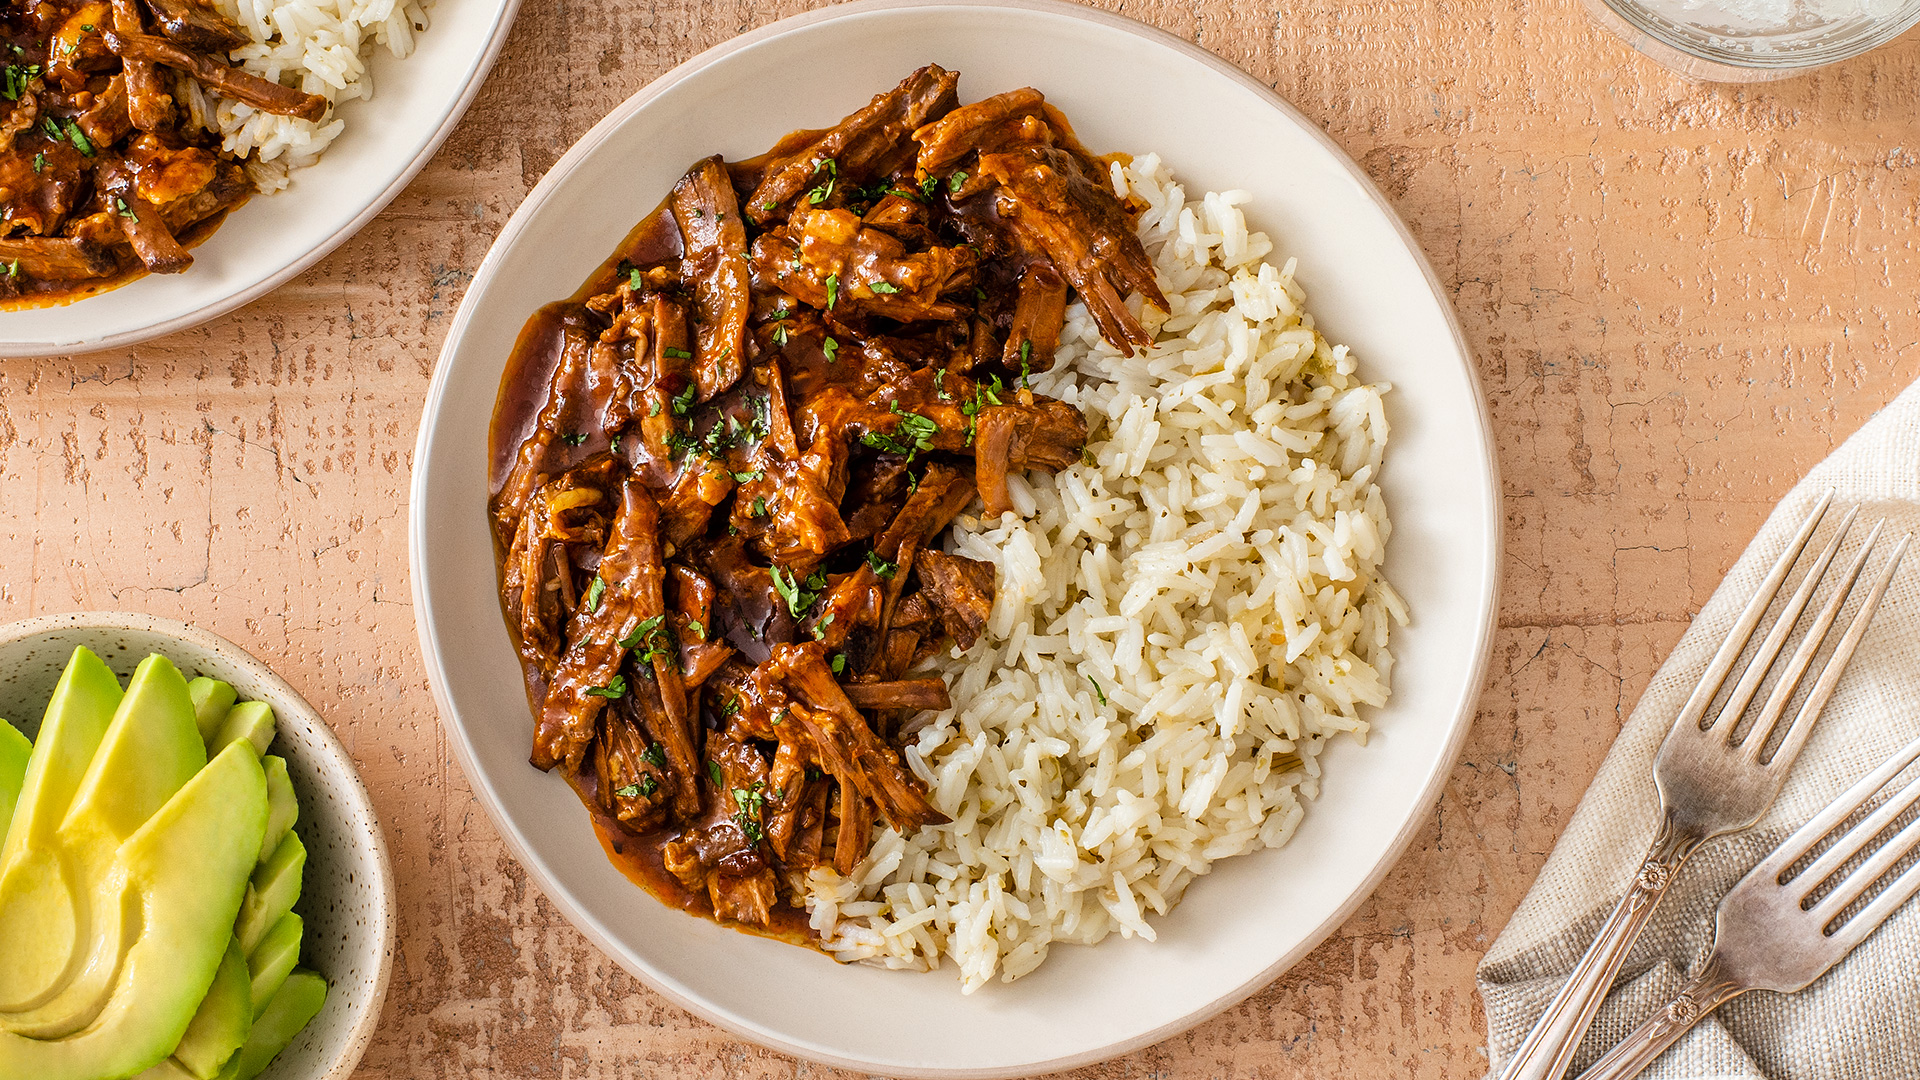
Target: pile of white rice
[
  {"x": 316, "y": 46},
  {"x": 1178, "y": 628}
]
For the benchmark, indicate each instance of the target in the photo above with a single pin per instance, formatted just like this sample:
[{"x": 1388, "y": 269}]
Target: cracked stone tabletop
[{"x": 1680, "y": 298}]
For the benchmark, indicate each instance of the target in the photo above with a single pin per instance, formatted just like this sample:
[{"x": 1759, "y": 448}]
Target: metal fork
[
  {"x": 1710, "y": 775},
  {"x": 1775, "y": 934}
]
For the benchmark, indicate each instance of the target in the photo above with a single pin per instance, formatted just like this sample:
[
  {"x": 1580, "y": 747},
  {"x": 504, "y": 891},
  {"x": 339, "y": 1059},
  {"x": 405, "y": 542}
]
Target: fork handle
[
  {"x": 1705, "y": 992},
  {"x": 1549, "y": 1048}
]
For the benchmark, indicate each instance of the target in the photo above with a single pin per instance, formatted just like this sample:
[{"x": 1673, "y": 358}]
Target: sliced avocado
[
  {"x": 223, "y": 1020},
  {"x": 249, "y": 720},
  {"x": 297, "y": 1003},
  {"x": 151, "y": 749},
  {"x": 14, "y": 752},
  {"x": 271, "y": 893},
  {"x": 275, "y": 956},
  {"x": 41, "y": 915},
  {"x": 188, "y": 866},
  {"x": 282, "y": 808},
  {"x": 168, "y": 1069},
  {"x": 212, "y": 699}
]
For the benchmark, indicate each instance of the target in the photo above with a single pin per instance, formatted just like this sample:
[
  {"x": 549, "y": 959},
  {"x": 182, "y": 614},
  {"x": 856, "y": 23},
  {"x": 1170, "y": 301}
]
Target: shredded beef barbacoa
[
  {"x": 101, "y": 178},
  {"x": 719, "y": 522}
]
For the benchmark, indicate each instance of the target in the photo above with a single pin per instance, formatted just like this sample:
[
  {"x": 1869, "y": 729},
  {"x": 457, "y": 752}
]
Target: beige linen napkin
[{"x": 1860, "y": 1022}]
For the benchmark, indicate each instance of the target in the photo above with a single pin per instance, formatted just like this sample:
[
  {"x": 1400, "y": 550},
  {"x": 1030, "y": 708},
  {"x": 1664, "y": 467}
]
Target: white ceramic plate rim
[
  {"x": 1459, "y": 719},
  {"x": 286, "y": 700},
  {"x": 456, "y": 109}
]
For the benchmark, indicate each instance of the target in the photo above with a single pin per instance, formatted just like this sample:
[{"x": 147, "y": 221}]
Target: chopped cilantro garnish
[
  {"x": 79, "y": 139},
  {"x": 13, "y": 269},
  {"x": 885, "y": 287},
  {"x": 39, "y": 163},
  {"x": 594, "y": 592},
  {"x": 780, "y": 335},
  {"x": 654, "y": 756},
  {"x": 748, "y": 477},
  {"x": 653, "y": 407},
  {"x": 799, "y": 595},
  {"x": 628, "y": 792},
  {"x": 829, "y": 348},
  {"x": 833, "y": 290},
  {"x": 881, "y": 567},
  {"x": 698, "y": 628},
  {"x": 642, "y": 632},
  {"x": 677, "y": 354},
  {"x": 634, "y": 281},
  {"x": 713, "y": 770},
  {"x": 759, "y": 506},
  {"x": 617, "y": 688},
  {"x": 574, "y": 439},
  {"x": 1097, "y": 692},
  {"x": 912, "y": 435},
  {"x": 684, "y": 400},
  {"x": 954, "y": 181},
  {"x": 839, "y": 663},
  {"x": 930, "y": 185}
]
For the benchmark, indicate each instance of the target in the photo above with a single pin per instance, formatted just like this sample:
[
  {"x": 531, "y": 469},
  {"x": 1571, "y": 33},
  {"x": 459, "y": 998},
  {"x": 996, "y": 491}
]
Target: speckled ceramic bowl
[{"x": 347, "y": 900}]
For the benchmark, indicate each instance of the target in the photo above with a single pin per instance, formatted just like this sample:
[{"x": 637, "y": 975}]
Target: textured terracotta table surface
[{"x": 1680, "y": 297}]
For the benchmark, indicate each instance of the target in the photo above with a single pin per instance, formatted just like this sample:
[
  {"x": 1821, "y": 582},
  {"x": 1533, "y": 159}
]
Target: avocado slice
[
  {"x": 275, "y": 956},
  {"x": 249, "y": 720},
  {"x": 150, "y": 750},
  {"x": 212, "y": 700},
  {"x": 40, "y": 917},
  {"x": 14, "y": 752},
  {"x": 297, "y": 1003},
  {"x": 187, "y": 866},
  {"x": 271, "y": 893},
  {"x": 282, "y": 808},
  {"x": 168, "y": 1069},
  {"x": 224, "y": 1018}
]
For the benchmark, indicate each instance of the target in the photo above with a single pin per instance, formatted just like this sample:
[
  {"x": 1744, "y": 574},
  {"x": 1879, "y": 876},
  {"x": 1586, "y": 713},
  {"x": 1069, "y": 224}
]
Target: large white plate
[
  {"x": 388, "y": 138},
  {"x": 1126, "y": 88}
]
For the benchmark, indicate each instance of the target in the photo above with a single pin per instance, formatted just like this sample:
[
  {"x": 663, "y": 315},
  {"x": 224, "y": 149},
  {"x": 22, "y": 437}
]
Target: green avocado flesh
[
  {"x": 186, "y": 870},
  {"x": 249, "y": 720},
  {"x": 282, "y": 810},
  {"x": 298, "y": 1002},
  {"x": 14, "y": 752},
  {"x": 223, "y": 1020},
  {"x": 150, "y": 750},
  {"x": 274, "y": 888},
  {"x": 146, "y": 893},
  {"x": 212, "y": 700},
  {"x": 40, "y": 921},
  {"x": 275, "y": 956}
]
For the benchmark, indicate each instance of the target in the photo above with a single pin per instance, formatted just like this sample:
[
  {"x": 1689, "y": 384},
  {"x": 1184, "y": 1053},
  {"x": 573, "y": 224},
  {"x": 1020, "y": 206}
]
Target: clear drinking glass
[{"x": 1754, "y": 40}]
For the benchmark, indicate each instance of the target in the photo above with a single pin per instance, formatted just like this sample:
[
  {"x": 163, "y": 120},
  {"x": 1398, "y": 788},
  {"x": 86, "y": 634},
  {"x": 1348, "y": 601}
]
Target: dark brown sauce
[{"x": 641, "y": 859}]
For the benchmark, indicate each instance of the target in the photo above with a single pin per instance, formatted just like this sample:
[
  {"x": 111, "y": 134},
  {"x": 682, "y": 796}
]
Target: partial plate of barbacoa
[
  {"x": 723, "y": 472},
  {"x": 102, "y": 176}
]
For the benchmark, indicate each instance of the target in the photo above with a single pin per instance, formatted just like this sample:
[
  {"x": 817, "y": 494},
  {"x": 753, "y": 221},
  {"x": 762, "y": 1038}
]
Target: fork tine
[
  {"x": 1868, "y": 872},
  {"x": 1795, "y": 847},
  {"x": 1854, "y": 842},
  {"x": 1736, "y": 642},
  {"x": 1769, "y": 650},
  {"x": 1868, "y": 919},
  {"x": 1802, "y": 727},
  {"x": 1796, "y": 668}
]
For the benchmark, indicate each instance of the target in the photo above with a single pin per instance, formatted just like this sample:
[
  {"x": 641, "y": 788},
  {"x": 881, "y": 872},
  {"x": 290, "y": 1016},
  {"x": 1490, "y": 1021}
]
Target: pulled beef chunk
[
  {"x": 961, "y": 590},
  {"x": 195, "y": 27},
  {"x": 57, "y": 258},
  {"x": 859, "y": 145},
  {"x": 715, "y": 239},
  {"x": 828, "y": 260},
  {"x": 221, "y": 78},
  {"x": 1041, "y": 194},
  {"x": 720, "y": 598}
]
